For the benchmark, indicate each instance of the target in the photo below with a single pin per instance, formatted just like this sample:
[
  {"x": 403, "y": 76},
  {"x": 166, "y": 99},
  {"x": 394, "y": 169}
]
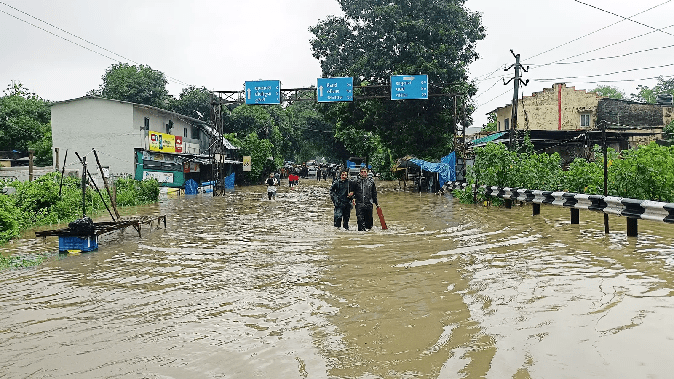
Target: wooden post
[
  {"x": 56, "y": 153},
  {"x": 632, "y": 230},
  {"x": 575, "y": 216},
  {"x": 84, "y": 186},
  {"x": 30, "y": 165},
  {"x": 536, "y": 209},
  {"x": 105, "y": 183}
]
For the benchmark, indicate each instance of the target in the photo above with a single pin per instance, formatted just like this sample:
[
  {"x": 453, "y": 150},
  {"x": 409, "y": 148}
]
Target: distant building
[
  {"x": 134, "y": 140},
  {"x": 570, "y": 121}
]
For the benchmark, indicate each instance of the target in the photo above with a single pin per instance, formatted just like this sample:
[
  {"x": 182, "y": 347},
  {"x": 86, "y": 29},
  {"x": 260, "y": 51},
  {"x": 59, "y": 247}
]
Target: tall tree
[
  {"x": 649, "y": 95},
  {"x": 610, "y": 92},
  {"x": 25, "y": 123},
  {"x": 376, "y": 39},
  {"x": 193, "y": 102},
  {"x": 137, "y": 84}
]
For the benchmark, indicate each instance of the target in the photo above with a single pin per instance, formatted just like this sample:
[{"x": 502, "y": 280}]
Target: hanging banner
[
  {"x": 165, "y": 143},
  {"x": 247, "y": 163}
]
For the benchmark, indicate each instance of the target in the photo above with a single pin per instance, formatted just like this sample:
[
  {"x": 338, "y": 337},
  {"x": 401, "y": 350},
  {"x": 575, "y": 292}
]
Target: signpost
[
  {"x": 334, "y": 89},
  {"x": 406, "y": 87},
  {"x": 263, "y": 92}
]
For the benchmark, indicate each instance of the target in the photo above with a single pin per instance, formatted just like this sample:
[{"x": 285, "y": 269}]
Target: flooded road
[{"x": 243, "y": 287}]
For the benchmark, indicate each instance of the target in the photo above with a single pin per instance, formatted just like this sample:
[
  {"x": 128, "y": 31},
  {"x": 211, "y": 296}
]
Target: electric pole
[{"x": 517, "y": 80}]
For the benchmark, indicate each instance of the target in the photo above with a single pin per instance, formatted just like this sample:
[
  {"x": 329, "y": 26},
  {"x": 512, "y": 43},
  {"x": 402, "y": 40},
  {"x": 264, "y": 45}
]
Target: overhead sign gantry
[{"x": 263, "y": 92}]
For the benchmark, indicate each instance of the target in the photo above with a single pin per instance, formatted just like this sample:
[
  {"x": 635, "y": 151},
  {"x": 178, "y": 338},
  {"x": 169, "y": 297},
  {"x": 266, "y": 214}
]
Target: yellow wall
[{"x": 540, "y": 111}]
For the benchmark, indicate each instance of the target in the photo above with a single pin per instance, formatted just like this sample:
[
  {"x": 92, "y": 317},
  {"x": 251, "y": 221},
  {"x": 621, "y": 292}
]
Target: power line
[
  {"x": 599, "y": 48},
  {"x": 78, "y": 37},
  {"x": 614, "y": 56},
  {"x": 624, "y": 18},
  {"x": 618, "y": 81},
  {"x": 609, "y": 73},
  {"x": 598, "y": 30},
  {"x": 488, "y": 76}
]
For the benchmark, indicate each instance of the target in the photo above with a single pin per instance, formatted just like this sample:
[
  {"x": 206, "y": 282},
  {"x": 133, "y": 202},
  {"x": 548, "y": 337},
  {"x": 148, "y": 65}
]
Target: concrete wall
[
  {"x": 541, "y": 110},
  {"x": 108, "y": 126}
]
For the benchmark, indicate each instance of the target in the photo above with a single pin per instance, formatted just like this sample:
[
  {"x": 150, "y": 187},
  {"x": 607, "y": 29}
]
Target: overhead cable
[{"x": 78, "y": 37}]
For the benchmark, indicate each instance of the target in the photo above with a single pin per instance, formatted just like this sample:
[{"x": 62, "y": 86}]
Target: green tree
[
  {"x": 374, "y": 40},
  {"x": 491, "y": 124},
  {"x": 610, "y": 92},
  {"x": 25, "y": 123},
  {"x": 649, "y": 95},
  {"x": 193, "y": 102},
  {"x": 668, "y": 131},
  {"x": 137, "y": 84}
]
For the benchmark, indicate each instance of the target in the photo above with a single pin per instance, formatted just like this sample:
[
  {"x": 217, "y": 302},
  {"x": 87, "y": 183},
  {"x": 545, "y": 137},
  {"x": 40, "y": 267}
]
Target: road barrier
[{"x": 633, "y": 209}]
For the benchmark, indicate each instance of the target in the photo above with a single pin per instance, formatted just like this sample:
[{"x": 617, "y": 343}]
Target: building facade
[
  {"x": 562, "y": 108},
  {"x": 132, "y": 139}
]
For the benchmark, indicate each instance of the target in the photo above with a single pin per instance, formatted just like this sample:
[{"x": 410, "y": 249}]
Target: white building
[{"x": 131, "y": 139}]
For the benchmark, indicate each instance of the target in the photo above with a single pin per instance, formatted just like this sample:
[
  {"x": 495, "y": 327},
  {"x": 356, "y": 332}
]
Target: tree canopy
[
  {"x": 610, "y": 92},
  {"x": 376, "y": 39},
  {"x": 25, "y": 123},
  {"x": 137, "y": 84},
  {"x": 649, "y": 95}
]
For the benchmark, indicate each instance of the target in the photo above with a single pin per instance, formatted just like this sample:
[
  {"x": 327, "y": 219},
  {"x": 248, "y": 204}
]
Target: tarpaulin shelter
[{"x": 446, "y": 168}]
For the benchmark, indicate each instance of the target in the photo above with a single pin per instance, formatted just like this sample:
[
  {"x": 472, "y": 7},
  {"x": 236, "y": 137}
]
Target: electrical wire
[
  {"x": 624, "y": 18},
  {"x": 80, "y": 38},
  {"x": 605, "y": 74},
  {"x": 598, "y": 30}
]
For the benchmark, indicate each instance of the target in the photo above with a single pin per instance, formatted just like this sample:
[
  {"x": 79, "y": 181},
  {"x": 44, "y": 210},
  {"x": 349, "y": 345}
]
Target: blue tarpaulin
[
  {"x": 446, "y": 169},
  {"x": 229, "y": 181},
  {"x": 191, "y": 187}
]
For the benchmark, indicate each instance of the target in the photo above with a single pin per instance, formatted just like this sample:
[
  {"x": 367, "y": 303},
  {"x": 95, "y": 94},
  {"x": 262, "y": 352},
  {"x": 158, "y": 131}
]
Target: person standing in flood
[
  {"x": 271, "y": 183},
  {"x": 341, "y": 196},
  {"x": 365, "y": 195}
]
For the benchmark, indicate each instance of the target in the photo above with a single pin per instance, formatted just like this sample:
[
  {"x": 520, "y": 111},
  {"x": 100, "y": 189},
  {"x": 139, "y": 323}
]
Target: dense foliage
[
  {"x": 644, "y": 173},
  {"x": 136, "y": 84},
  {"x": 375, "y": 39},
  {"x": 646, "y": 94},
  {"x": 25, "y": 123},
  {"x": 38, "y": 203}
]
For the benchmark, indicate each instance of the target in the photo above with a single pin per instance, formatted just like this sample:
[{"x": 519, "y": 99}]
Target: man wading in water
[
  {"x": 365, "y": 194},
  {"x": 271, "y": 183},
  {"x": 341, "y": 197}
]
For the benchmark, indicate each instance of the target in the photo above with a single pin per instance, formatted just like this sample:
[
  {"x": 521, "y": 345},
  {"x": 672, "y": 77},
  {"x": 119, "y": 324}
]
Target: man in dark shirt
[
  {"x": 365, "y": 194},
  {"x": 341, "y": 197}
]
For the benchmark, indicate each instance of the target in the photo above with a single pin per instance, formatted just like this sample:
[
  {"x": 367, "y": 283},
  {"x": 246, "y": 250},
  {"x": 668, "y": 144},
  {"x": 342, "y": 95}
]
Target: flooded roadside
[{"x": 243, "y": 287}]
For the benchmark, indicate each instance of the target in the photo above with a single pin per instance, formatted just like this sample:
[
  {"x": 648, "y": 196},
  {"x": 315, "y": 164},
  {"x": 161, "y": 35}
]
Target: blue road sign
[
  {"x": 405, "y": 87},
  {"x": 263, "y": 92},
  {"x": 334, "y": 89}
]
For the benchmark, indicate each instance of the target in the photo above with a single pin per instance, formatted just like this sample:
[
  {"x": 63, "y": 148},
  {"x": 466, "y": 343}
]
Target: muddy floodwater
[{"x": 242, "y": 287}]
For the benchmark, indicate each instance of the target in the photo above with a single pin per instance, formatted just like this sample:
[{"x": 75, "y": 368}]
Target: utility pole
[{"x": 517, "y": 80}]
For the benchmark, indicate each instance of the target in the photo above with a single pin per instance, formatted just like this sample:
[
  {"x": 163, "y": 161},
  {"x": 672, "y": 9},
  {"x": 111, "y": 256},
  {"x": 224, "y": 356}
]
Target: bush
[{"x": 38, "y": 203}]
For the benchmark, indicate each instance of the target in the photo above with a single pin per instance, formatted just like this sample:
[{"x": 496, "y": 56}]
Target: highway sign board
[
  {"x": 334, "y": 89},
  {"x": 406, "y": 87},
  {"x": 263, "y": 92}
]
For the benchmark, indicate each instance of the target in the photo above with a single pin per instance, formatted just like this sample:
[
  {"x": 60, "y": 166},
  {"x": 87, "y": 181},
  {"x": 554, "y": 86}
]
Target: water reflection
[{"x": 243, "y": 287}]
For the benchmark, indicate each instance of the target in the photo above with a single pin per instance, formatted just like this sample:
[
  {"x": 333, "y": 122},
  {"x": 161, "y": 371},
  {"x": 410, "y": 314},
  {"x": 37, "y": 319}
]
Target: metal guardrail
[{"x": 633, "y": 209}]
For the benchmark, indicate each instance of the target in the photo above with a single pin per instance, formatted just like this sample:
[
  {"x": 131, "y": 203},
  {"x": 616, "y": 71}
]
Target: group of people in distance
[
  {"x": 360, "y": 192},
  {"x": 345, "y": 193}
]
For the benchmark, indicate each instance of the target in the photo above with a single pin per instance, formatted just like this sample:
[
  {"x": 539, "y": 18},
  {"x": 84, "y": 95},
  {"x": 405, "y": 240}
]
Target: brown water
[{"x": 243, "y": 287}]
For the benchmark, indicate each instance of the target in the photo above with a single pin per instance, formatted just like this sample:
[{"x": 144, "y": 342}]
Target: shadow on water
[{"x": 243, "y": 287}]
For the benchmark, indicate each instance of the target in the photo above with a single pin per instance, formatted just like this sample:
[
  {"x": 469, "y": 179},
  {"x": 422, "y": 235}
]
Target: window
[
  {"x": 169, "y": 126},
  {"x": 147, "y": 123},
  {"x": 507, "y": 124},
  {"x": 185, "y": 132},
  {"x": 195, "y": 133},
  {"x": 585, "y": 120}
]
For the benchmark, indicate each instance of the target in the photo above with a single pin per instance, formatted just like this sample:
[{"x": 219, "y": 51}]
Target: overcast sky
[{"x": 221, "y": 44}]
